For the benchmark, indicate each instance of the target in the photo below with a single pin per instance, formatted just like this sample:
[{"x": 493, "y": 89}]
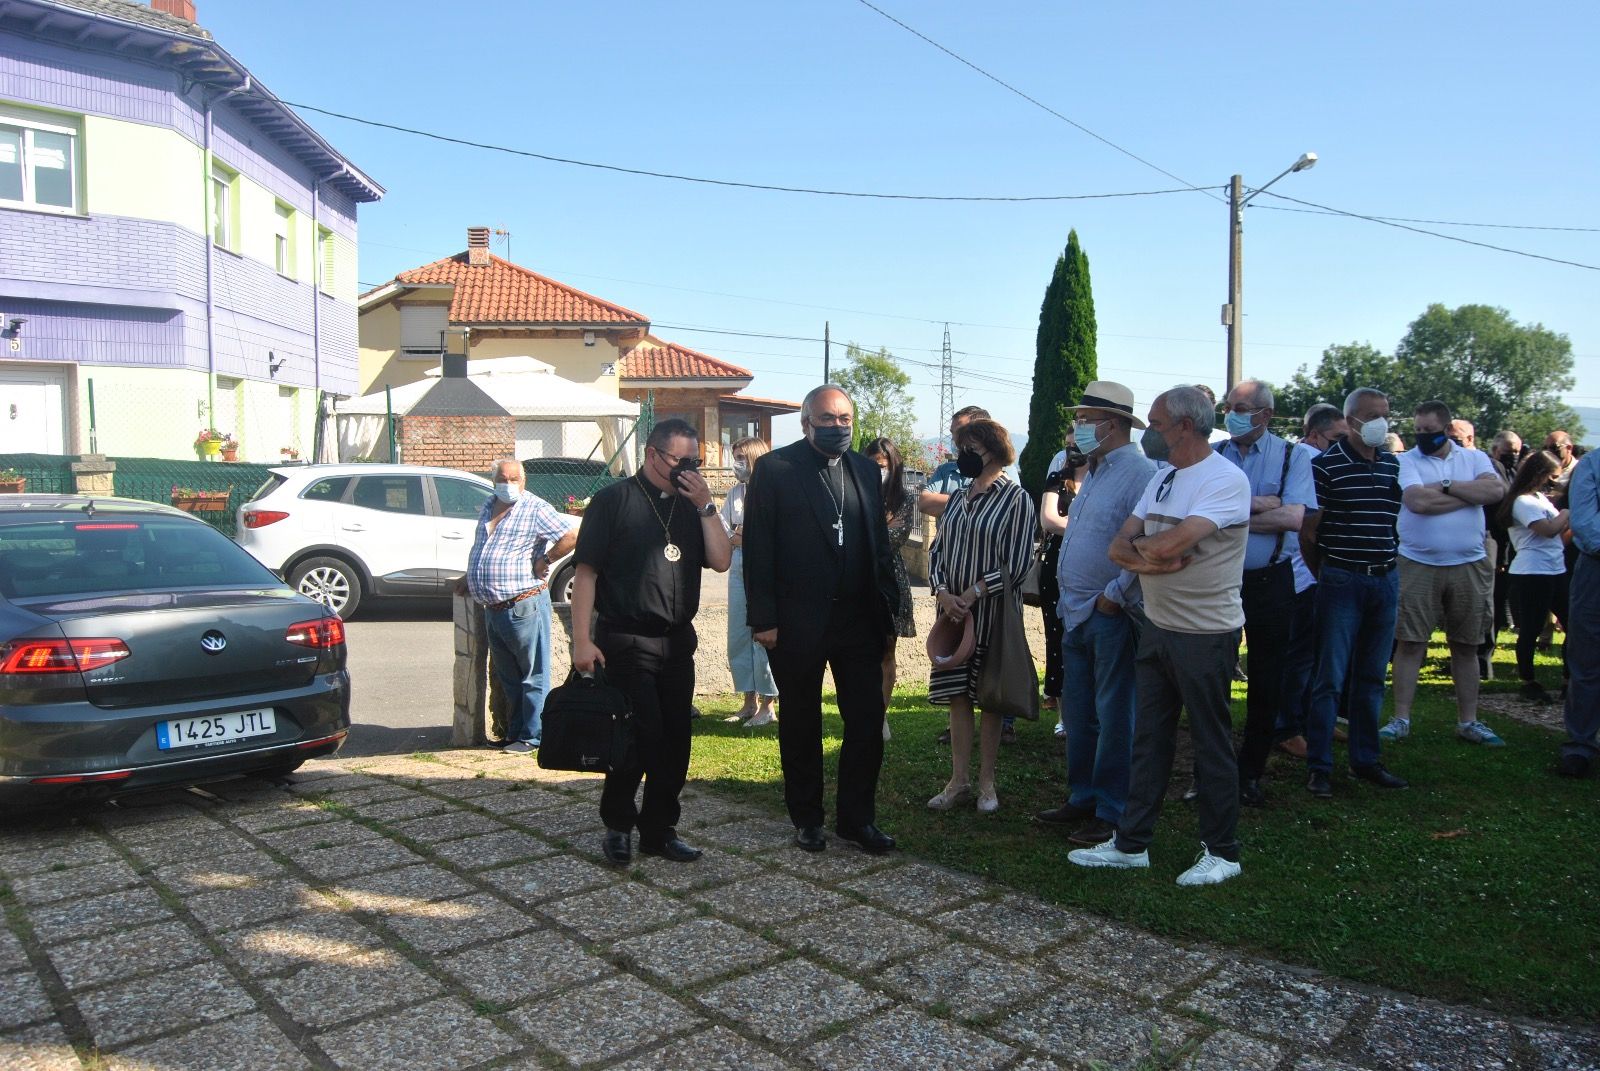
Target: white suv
[{"x": 343, "y": 533}]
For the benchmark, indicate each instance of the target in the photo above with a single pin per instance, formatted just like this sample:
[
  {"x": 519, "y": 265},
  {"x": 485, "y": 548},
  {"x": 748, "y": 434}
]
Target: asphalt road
[{"x": 400, "y": 665}]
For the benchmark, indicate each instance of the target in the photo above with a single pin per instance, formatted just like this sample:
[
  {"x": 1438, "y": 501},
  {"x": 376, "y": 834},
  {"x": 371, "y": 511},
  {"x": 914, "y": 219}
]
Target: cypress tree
[{"x": 1064, "y": 363}]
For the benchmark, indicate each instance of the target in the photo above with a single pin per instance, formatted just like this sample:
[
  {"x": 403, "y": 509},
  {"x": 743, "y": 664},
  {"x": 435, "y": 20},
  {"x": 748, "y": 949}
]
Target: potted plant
[
  {"x": 12, "y": 482},
  {"x": 230, "y": 448},
  {"x": 191, "y": 500},
  {"x": 208, "y": 443},
  {"x": 289, "y": 453},
  {"x": 575, "y": 505}
]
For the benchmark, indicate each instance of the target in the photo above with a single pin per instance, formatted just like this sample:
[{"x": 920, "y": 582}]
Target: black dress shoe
[
  {"x": 1250, "y": 793},
  {"x": 670, "y": 848},
  {"x": 1064, "y": 815},
  {"x": 1377, "y": 775},
  {"x": 869, "y": 838},
  {"x": 810, "y": 838},
  {"x": 1319, "y": 785},
  {"x": 617, "y": 847},
  {"x": 1573, "y": 766}
]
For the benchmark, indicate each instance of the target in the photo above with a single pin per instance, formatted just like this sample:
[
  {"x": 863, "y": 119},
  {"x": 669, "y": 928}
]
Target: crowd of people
[{"x": 1335, "y": 553}]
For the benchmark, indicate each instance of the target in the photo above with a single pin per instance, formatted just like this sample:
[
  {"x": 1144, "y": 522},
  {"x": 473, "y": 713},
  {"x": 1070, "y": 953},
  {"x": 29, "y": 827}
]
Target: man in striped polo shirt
[{"x": 1350, "y": 546}]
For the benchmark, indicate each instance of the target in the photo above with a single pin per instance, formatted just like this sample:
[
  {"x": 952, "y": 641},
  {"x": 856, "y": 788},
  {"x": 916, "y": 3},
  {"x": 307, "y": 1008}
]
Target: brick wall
[{"x": 470, "y": 444}]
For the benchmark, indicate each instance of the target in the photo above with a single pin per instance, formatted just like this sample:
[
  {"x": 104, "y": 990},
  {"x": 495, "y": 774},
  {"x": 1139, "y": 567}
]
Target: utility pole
[
  {"x": 827, "y": 339},
  {"x": 1233, "y": 311},
  {"x": 947, "y": 386}
]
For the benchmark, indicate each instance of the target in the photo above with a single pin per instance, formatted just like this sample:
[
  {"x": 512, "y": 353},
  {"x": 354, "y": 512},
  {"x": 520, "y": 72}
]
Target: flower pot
[
  {"x": 230, "y": 453},
  {"x": 13, "y": 487},
  {"x": 210, "y": 447}
]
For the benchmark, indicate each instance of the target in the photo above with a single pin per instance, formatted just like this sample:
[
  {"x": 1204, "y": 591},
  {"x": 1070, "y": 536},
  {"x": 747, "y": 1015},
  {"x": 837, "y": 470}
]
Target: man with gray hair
[
  {"x": 1186, "y": 541},
  {"x": 1350, "y": 546},
  {"x": 507, "y": 571},
  {"x": 1280, "y": 495}
]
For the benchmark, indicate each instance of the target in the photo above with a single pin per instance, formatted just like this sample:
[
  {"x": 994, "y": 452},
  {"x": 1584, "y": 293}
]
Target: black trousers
[
  {"x": 657, "y": 673},
  {"x": 1532, "y": 597},
  {"x": 1268, "y": 596},
  {"x": 1054, "y": 630},
  {"x": 853, "y": 648}
]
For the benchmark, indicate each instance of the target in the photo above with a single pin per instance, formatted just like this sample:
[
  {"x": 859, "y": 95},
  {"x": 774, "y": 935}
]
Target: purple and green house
[{"x": 174, "y": 240}]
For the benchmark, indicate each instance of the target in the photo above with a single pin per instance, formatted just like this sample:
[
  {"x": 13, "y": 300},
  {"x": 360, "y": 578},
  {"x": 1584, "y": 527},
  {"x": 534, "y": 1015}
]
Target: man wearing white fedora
[{"x": 1097, "y": 606}]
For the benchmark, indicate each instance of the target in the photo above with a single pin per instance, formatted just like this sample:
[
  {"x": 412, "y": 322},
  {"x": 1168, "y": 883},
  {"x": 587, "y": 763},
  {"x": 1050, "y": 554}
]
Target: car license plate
[{"x": 217, "y": 729}]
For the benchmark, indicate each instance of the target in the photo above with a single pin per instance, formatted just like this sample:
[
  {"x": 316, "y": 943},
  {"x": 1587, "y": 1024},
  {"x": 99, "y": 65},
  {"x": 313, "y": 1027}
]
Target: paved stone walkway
[{"x": 405, "y": 915}]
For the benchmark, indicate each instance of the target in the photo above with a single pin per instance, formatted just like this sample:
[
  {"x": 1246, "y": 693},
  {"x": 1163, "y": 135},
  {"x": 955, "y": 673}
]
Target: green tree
[
  {"x": 1342, "y": 369},
  {"x": 878, "y": 386},
  {"x": 1064, "y": 363},
  {"x": 1489, "y": 369}
]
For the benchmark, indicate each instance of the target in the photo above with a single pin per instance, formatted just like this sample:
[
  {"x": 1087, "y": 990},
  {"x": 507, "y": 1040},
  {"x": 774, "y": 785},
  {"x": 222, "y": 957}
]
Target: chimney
[
  {"x": 454, "y": 366},
  {"x": 183, "y": 9},
  {"x": 477, "y": 247}
]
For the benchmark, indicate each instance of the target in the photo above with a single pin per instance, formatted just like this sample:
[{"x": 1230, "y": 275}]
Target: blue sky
[{"x": 1460, "y": 111}]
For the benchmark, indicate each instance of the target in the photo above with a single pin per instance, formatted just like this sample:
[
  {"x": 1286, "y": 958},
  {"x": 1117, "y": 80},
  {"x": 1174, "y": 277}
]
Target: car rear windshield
[
  {"x": 113, "y": 554},
  {"x": 274, "y": 481}
]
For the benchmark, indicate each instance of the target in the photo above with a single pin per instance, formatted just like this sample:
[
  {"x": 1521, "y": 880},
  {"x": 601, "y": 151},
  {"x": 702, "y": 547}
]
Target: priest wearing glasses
[
  {"x": 821, "y": 593},
  {"x": 641, "y": 548}
]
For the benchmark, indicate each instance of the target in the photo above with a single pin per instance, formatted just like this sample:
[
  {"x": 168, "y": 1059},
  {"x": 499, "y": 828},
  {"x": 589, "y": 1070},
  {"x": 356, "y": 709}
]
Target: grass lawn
[{"x": 1481, "y": 883}]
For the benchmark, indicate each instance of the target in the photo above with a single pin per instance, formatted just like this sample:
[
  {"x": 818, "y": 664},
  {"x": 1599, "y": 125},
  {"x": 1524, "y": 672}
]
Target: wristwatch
[
  {"x": 1444, "y": 485},
  {"x": 708, "y": 510}
]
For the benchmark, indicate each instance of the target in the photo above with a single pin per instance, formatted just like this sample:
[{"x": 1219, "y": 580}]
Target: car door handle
[
  {"x": 354, "y": 527},
  {"x": 453, "y": 535}
]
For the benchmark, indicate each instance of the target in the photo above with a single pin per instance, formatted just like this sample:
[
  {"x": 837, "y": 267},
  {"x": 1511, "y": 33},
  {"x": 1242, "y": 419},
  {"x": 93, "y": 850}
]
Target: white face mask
[
  {"x": 741, "y": 469},
  {"x": 1375, "y": 431}
]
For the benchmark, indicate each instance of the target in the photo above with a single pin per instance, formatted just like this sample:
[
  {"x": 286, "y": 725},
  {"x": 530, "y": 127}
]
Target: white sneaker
[
  {"x": 1210, "y": 870},
  {"x": 1107, "y": 855},
  {"x": 1061, "y": 731}
]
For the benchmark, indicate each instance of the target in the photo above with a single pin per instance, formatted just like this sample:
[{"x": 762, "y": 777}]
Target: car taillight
[
  {"x": 260, "y": 518},
  {"x": 322, "y": 633},
  {"x": 60, "y": 656}
]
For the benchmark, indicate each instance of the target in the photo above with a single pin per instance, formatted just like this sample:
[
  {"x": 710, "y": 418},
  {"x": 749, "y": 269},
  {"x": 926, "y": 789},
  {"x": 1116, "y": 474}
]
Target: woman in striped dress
[{"x": 984, "y": 546}]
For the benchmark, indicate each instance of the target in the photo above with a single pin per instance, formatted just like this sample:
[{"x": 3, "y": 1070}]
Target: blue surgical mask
[
  {"x": 507, "y": 492},
  {"x": 1240, "y": 424},
  {"x": 1084, "y": 438},
  {"x": 832, "y": 441}
]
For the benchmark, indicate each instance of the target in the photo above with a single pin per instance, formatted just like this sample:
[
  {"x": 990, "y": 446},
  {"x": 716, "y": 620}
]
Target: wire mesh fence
[
  {"x": 41, "y": 474},
  {"x": 178, "y": 415}
]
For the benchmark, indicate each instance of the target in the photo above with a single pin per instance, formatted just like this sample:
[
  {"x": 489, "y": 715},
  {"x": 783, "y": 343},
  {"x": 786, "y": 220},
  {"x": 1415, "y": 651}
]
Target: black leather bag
[{"x": 587, "y": 726}]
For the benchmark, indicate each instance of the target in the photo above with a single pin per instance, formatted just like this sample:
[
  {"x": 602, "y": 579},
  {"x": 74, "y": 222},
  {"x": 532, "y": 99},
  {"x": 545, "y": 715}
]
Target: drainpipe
[{"x": 205, "y": 230}]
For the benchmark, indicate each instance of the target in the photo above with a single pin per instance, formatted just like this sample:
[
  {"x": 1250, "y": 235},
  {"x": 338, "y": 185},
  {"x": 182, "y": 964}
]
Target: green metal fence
[
  {"x": 155, "y": 479},
  {"x": 45, "y": 474}
]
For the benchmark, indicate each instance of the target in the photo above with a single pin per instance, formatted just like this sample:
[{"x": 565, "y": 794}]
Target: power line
[
  {"x": 1038, "y": 103},
  {"x": 1435, "y": 222},
  {"x": 730, "y": 182},
  {"x": 1432, "y": 234}
]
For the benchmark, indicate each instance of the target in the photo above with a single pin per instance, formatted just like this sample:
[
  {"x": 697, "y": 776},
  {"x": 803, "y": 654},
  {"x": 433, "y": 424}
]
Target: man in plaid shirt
[{"x": 518, "y": 534}]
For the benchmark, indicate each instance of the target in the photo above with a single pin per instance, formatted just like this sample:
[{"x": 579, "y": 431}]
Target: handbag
[
  {"x": 587, "y": 726},
  {"x": 1008, "y": 681},
  {"x": 1030, "y": 591}
]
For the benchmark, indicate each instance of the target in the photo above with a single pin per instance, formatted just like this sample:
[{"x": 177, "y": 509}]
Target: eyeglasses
[
  {"x": 1084, "y": 422},
  {"x": 680, "y": 462},
  {"x": 829, "y": 420},
  {"x": 1244, "y": 411},
  {"x": 1165, "y": 488}
]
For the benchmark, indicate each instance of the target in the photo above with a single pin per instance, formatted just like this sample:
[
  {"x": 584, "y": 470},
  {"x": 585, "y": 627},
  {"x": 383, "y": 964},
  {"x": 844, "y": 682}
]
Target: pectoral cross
[{"x": 838, "y": 526}]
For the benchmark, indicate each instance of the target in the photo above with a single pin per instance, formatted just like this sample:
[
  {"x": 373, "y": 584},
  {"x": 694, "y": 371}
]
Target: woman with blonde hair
[
  {"x": 983, "y": 550},
  {"x": 747, "y": 659}
]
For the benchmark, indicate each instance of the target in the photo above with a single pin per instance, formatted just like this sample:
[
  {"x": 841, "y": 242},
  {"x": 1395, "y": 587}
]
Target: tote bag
[{"x": 1008, "y": 681}]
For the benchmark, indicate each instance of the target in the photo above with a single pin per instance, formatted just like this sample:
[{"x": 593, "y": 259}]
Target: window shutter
[{"x": 421, "y": 329}]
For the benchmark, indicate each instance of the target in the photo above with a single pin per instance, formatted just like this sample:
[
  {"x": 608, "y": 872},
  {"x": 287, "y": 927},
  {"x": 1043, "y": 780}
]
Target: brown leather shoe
[
  {"x": 1294, "y": 745},
  {"x": 1097, "y": 831}
]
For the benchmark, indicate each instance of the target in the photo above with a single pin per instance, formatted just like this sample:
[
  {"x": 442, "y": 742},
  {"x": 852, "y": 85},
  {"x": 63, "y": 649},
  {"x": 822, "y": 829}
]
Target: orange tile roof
[
  {"x": 668, "y": 360},
  {"x": 506, "y": 293}
]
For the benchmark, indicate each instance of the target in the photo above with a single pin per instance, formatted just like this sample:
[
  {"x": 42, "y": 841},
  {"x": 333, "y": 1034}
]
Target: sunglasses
[{"x": 682, "y": 464}]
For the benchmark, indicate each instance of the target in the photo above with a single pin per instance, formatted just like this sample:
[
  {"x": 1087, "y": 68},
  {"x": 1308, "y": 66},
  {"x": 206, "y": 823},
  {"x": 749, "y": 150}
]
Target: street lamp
[{"x": 1233, "y": 311}]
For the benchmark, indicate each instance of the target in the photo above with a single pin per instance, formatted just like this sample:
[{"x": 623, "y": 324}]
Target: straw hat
[{"x": 1109, "y": 397}]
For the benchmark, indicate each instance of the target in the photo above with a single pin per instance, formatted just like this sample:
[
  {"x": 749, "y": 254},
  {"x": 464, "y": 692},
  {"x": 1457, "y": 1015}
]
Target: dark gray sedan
[{"x": 140, "y": 647}]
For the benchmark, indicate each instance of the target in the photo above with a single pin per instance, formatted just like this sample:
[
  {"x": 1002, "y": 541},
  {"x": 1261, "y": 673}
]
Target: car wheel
[
  {"x": 330, "y": 581},
  {"x": 561, "y": 586}
]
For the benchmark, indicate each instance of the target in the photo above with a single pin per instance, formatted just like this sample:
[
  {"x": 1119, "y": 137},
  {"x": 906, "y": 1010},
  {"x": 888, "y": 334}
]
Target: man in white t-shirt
[
  {"x": 1186, "y": 541},
  {"x": 1445, "y": 576}
]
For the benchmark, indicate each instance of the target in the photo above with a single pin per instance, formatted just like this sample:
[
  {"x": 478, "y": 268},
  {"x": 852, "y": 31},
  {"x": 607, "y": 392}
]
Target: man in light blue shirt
[
  {"x": 1281, "y": 490},
  {"x": 1098, "y": 600},
  {"x": 1583, "y": 621}
]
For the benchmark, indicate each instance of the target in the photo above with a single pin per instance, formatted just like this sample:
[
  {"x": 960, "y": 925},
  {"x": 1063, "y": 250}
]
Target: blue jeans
[
  {"x": 1355, "y": 637},
  {"x": 747, "y": 659},
  {"x": 519, "y": 656},
  {"x": 1097, "y": 711}
]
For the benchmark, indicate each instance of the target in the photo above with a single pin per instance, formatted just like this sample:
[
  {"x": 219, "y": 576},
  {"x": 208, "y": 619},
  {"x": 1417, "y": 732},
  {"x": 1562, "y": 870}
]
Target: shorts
[{"x": 1458, "y": 598}]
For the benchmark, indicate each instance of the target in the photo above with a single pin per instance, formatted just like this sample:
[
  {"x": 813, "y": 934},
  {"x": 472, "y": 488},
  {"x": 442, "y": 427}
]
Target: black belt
[
  {"x": 1380, "y": 569},
  {"x": 1274, "y": 569}
]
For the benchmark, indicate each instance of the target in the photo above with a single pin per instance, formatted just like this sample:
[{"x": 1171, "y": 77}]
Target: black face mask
[
  {"x": 1154, "y": 445},
  {"x": 832, "y": 440},
  {"x": 1431, "y": 442},
  {"x": 969, "y": 463}
]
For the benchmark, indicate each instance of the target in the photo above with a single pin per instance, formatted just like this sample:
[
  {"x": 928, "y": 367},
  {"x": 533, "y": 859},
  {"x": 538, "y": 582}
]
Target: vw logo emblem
[{"x": 213, "y": 642}]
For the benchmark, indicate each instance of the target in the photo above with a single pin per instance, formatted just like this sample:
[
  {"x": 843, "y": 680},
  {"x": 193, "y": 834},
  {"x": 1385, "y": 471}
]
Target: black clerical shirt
[
  {"x": 855, "y": 578},
  {"x": 623, "y": 538}
]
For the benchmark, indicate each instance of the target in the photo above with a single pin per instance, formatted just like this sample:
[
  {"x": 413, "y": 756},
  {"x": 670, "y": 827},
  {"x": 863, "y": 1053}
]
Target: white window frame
[
  {"x": 28, "y": 124},
  {"x": 327, "y": 262},
  {"x": 224, "y": 192},
  {"x": 283, "y": 224}
]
